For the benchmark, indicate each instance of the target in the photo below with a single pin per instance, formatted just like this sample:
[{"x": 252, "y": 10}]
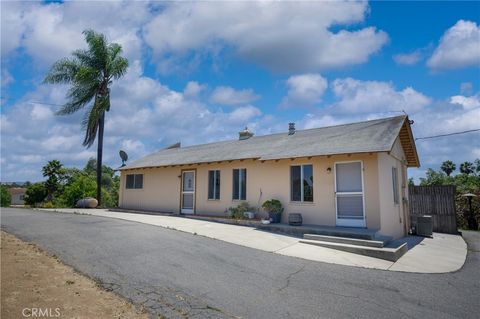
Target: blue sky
[{"x": 200, "y": 72}]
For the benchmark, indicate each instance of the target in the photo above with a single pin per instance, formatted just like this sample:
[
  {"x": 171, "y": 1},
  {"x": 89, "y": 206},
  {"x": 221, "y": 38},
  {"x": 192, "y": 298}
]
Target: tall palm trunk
[{"x": 101, "y": 122}]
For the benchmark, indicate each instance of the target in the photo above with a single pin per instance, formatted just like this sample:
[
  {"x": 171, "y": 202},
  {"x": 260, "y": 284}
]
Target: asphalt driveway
[{"x": 182, "y": 275}]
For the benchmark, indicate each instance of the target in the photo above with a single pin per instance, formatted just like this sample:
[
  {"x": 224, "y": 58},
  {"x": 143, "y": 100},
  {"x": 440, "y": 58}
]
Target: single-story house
[
  {"x": 18, "y": 195},
  {"x": 346, "y": 175}
]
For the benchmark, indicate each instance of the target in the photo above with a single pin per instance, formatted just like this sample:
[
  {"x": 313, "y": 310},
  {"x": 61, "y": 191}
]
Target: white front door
[
  {"x": 349, "y": 199},
  {"x": 188, "y": 192}
]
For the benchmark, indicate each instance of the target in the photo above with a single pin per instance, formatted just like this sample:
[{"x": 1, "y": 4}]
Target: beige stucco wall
[
  {"x": 270, "y": 179},
  {"x": 393, "y": 217}
]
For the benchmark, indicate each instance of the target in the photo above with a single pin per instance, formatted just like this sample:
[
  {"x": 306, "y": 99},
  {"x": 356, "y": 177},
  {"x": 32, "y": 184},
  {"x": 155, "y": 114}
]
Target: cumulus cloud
[
  {"x": 31, "y": 25},
  {"x": 145, "y": 116},
  {"x": 193, "y": 88},
  {"x": 467, "y": 102},
  {"x": 251, "y": 30},
  {"x": 305, "y": 90},
  {"x": 408, "y": 58},
  {"x": 357, "y": 96},
  {"x": 225, "y": 95},
  {"x": 459, "y": 47}
]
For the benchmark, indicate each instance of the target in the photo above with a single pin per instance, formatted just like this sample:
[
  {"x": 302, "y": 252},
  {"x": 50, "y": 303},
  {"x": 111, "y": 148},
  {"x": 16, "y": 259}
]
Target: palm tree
[
  {"x": 448, "y": 167},
  {"x": 89, "y": 74},
  {"x": 467, "y": 168}
]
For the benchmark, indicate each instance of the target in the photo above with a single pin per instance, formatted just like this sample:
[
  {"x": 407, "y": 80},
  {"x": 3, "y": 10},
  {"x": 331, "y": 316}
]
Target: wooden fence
[{"x": 437, "y": 201}]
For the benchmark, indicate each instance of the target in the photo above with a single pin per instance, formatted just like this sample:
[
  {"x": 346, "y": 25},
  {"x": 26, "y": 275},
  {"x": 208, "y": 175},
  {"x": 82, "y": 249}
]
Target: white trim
[
  {"x": 352, "y": 222},
  {"x": 188, "y": 210}
]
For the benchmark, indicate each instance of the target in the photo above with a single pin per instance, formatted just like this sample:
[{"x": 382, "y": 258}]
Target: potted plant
[{"x": 274, "y": 209}]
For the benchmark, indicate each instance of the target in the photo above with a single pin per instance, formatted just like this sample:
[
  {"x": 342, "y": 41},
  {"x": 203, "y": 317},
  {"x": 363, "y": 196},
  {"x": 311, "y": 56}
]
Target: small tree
[
  {"x": 467, "y": 168},
  {"x": 6, "y": 197},
  {"x": 35, "y": 194},
  {"x": 53, "y": 171},
  {"x": 448, "y": 167}
]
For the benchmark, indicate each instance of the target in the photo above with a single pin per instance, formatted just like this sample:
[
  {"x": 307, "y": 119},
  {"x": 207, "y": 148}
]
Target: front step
[
  {"x": 345, "y": 240},
  {"x": 390, "y": 254}
]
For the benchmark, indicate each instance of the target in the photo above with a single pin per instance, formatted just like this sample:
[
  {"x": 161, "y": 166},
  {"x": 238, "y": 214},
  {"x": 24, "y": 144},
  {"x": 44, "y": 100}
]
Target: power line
[{"x": 448, "y": 134}]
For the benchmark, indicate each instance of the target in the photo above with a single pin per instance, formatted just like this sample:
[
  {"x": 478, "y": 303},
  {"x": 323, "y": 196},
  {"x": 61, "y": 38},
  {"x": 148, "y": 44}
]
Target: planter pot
[{"x": 275, "y": 217}]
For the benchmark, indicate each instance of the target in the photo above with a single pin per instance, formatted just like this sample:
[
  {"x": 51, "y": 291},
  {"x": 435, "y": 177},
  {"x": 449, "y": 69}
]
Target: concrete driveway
[
  {"x": 440, "y": 254},
  {"x": 179, "y": 274}
]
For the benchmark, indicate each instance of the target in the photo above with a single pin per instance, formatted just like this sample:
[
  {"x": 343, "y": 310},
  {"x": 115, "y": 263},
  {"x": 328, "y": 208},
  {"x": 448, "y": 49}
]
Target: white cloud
[
  {"x": 145, "y": 116},
  {"x": 193, "y": 88},
  {"x": 373, "y": 96},
  {"x": 466, "y": 88},
  {"x": 225, "y": 95},
  {"x": 305, "y": 90},
  {"x": 459, "y": 47},
  {"x": 32, "y": 25},
  {"x": 244, "y": 114},
  {"x": 408, "y": 58},
  {"x": 7, "y": 78},
  {"x": 251, "y": 30},
  {"x": 467, "y": 102}
]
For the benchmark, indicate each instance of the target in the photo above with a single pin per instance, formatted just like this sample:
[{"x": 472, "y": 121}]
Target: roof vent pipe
[
  {"x": 244, "y": 134},
  {"x": 291, "y": 128}
]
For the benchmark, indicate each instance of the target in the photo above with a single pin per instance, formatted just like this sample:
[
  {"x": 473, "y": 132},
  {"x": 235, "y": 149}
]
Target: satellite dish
[{"x": 123, "y": 156}]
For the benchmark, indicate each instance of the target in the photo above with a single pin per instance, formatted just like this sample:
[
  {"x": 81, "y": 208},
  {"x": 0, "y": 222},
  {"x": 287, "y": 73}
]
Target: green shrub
[
  {"x": 48, "y": 205},
  {"x": 239, "y": 211},
  {"x": 6, "y": 198},
  {"x": 273, "y": 206},
  {"x": 35, "y": 194},
  {"x": 81, "y": 187}
]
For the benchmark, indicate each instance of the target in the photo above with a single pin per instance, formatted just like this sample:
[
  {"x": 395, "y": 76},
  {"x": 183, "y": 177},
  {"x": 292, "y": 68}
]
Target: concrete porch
[{"x": 300, "y": 231}]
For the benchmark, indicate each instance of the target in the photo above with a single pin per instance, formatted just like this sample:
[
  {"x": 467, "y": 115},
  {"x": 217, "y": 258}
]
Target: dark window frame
[
  {"x": 214, "y": 194},
  {"x": 293, "y": 191},
  {"x": 241, "y": 187},
  {"x": 134, "y": 181}
]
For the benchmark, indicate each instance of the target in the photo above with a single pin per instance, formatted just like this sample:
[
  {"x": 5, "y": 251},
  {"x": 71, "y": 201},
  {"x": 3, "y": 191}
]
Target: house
[
  {"x": 346, "y": 175},
  {"x": 18, "y": 195}
]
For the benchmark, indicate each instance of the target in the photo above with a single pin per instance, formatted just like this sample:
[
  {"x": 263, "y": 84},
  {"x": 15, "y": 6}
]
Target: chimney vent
[
  {"x": 244, "y": 134},
  {"x": 291, "y": 128}
]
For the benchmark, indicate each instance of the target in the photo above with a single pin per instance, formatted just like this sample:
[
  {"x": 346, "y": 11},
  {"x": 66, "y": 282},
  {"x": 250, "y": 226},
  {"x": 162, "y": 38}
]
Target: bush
[
  {"x": 6, "y": 198},
  {"x": 35, "y": 194},
  {"x": 239, "y": 211},
  {"x": 48, "y": 205},
  {"x": 81, "y": 187},
  {"x": 273, "y": 206}
]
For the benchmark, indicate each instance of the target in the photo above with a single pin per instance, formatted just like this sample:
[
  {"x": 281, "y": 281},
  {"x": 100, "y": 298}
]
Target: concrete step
[
  {"x": 299, "y": 231},
  {"x": 390, "y": 254},
  {"x": 345, "y": 240}
]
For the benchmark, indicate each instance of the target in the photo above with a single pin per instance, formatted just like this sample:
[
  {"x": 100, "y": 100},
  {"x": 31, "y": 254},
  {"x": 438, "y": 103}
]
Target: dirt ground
[{"x": 35, "y": 284}]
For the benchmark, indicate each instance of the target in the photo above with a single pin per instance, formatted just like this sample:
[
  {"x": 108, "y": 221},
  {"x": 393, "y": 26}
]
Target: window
[
  {"x": 134, "y": 181},
  {"x": 22, "y": 197},
  {"x": 240, "y": 184},
  {"x": 395, "y": 185},
  {"x": 301, "y": 178},
  {"x": 214, "y": 184}
]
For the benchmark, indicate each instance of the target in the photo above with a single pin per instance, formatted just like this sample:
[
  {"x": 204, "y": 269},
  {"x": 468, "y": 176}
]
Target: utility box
[{"x": 425, "y": 226}]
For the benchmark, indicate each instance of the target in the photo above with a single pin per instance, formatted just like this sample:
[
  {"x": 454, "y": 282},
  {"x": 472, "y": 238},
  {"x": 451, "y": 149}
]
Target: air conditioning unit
[{"x": 425, "y": 226}]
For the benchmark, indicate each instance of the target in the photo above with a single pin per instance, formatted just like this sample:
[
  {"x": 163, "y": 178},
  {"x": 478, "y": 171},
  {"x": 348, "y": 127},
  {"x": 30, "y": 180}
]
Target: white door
[
  {"x": 188, "y": 192},
  {"x": 349, "y": 199}
]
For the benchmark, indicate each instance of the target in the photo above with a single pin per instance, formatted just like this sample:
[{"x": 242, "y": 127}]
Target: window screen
[
  {"x": 240, "y": 184},
  {"x": 214, "y": 184}
]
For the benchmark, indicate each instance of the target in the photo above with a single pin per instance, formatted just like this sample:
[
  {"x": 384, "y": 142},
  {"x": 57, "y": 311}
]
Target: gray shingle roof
[{"x": 369, "y": 136}]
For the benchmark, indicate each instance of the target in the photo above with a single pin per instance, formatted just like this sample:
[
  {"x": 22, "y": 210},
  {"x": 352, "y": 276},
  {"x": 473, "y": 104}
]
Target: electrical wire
[{"x": 448, "y": 134}]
